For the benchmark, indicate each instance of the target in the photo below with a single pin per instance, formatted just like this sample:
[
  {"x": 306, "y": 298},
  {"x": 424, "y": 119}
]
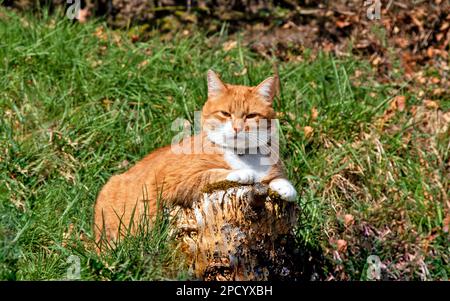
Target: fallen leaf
[
  {"x": 142, "y": 64},
  {"x": 67, "y": 234},
  {"x": 438, "y": 91},
  {"x": 444, "y": 26},
  {"x": 134, "y": 38},
  {"x": 314, "y": 113},
  {"x": 446, "y": 224},
  {"x": 241, "y": 73},
  {"x": 401, "y": 103},
  {"x": 435, "y": 80},
  {"x": 83, "y": 15},
  {"x": 402, "y": 42},
  {"x": 376, "y": 61},
  {"x": 124, "y": 164},
  {"x": 342, "y": 24},
  {"x": 227, "y": 46},
  {"x": 100, "y": 33},
  {"x": 431, "y": 104},
  {"x": 349, "y": 220},
  {"x": 308, "y": 131},
  {"x": 341, "y": 245},
  {"x": 291, "y": 115},
  {"x": 97, "y": 63},
  {"x": 279, "y": 114}
]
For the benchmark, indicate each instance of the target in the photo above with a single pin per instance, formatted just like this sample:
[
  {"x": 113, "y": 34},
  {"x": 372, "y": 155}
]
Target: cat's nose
[
  {"x": 237, "y": 129},
  {"x": 238, "y": 125}
]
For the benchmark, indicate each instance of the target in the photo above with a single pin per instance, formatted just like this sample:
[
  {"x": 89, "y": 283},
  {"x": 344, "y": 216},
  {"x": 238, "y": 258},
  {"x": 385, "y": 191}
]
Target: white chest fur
[{"x": 253, "y": 162}]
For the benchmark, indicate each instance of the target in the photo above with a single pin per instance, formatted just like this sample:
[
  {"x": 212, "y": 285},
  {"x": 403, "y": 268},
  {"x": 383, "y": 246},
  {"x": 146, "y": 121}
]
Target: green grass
[{"x": 79, "y": 102}]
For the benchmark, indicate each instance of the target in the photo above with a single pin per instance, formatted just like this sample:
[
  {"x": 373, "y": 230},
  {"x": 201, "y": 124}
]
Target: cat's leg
[
  {"x": 190, "y": 188},
  {"x": 284, "y": 188},
  {"x": 277, "y": 182},
  {"x": 281, "y": 185},
  {"x": 214, "y": 175},
  {"x": 242, "y": 176}
]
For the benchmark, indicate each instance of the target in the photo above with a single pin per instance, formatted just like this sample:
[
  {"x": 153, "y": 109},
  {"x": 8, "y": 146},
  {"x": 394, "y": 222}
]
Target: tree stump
[{"x": 237, "y": 232}]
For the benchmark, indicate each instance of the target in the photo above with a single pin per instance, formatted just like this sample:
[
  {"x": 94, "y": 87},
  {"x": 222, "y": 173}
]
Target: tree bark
[{"x": 238, "y": 233}]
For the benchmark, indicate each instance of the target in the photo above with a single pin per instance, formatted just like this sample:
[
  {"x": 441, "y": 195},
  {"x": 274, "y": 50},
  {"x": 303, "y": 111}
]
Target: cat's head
[{"x": 237, "y": 116}]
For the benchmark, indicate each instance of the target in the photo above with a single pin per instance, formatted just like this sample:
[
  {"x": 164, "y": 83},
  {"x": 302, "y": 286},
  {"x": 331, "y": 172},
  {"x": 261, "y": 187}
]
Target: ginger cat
[{"x": 230, "y": 119}]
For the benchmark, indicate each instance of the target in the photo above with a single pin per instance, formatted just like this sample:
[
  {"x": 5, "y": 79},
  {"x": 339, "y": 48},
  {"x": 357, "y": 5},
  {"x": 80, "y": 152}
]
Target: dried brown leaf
[
  {"x": 314, "y": 113},
  {"x": 431, "y": 104},
  {"x": 349, "y": 220},
  {"x": 308, "y": 131},
  {"x": 400, "y": 103},
  {"x": 341, "y": 245},
  {"x": 229, "y": 45}
]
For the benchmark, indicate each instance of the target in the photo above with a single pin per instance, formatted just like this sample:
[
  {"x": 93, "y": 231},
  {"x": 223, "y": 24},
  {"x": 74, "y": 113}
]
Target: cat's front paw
[
  {"x": 242, "y": 176},
  {"x": 284, "y": 188}
]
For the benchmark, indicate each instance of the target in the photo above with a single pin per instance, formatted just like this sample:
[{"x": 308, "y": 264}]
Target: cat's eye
[
  {"x": 252, "y": 115},
  {"x": 226, "y": 114}
]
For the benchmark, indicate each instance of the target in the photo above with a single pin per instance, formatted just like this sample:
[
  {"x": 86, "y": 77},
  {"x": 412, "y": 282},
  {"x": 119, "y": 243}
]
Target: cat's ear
[
  {"x": 215, "y": 85},
  {"x": 267, "y": 89}
]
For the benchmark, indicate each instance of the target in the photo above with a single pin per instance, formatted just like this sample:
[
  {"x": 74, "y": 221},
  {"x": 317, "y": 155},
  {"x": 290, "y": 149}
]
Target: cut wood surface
[{"x": 238, "y": 233}]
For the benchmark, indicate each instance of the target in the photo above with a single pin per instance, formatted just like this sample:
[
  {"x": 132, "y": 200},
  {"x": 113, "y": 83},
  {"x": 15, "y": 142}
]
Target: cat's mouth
[{"x": 240, "y": 141}]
